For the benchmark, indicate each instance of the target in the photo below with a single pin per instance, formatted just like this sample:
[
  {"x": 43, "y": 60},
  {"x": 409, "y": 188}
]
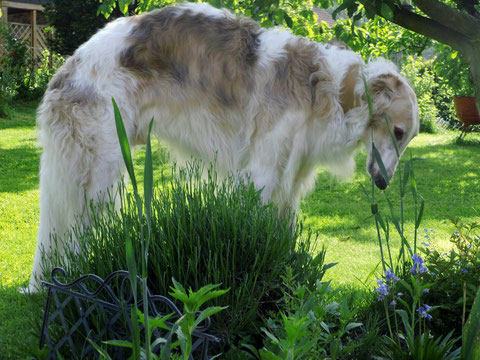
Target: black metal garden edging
[{"x": 102, "y": 314}]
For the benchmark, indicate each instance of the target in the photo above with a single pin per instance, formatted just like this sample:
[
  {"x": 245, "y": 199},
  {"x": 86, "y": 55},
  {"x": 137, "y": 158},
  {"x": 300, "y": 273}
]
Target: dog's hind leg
[{"x": 75, "y": 169}]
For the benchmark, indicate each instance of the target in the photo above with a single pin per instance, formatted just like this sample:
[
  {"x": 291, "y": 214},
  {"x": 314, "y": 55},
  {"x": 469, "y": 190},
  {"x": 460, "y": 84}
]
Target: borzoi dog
[{"x": 265, "y": 103}]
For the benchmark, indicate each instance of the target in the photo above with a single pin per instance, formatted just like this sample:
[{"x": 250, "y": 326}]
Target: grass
[{"x": 448, "y": 177}]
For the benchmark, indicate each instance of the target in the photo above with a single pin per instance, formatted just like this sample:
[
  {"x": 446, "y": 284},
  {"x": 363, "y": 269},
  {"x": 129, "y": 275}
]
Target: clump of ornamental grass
[{"x": 204, "y": 230}]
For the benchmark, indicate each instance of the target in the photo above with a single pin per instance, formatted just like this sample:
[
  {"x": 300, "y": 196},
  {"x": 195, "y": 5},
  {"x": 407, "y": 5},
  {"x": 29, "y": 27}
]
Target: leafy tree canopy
[{"x": 74, "y": 23}]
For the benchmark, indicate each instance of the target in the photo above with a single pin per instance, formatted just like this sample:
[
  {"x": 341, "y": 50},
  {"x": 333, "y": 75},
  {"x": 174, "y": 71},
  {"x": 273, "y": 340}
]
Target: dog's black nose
[{"x": 380, "y": 181}]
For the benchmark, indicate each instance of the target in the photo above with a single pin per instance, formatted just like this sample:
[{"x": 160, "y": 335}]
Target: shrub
[
  {"x": 13, "y": 65},
  {"x": 423, "y": 81},
  {"x": 204, "y": 231},
  {"x": 456, "y": 277}
]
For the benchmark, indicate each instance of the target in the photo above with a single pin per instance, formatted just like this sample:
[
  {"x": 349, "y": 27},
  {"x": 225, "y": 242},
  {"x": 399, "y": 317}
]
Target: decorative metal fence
[{"x": 101, "y": 308}]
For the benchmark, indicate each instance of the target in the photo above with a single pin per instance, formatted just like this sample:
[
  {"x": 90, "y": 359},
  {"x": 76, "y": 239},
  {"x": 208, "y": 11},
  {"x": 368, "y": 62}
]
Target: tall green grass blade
[
  {"x": 148, "y": 178},
  {"x": 369, "y": 96},
  {"x": 406, "y": 175},
  {"x": 471, "y": 332},
  {"x": 418, "y": 220},
  {"x": 393, "y": 137},
  {"x": 380, "y": 163},
  {"x": 124, "y": 145},
  {"x": 102, "y": 352}
]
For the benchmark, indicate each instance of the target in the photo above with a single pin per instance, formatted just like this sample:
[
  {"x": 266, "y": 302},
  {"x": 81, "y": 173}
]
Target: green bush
[
  {"x": 13, "y": 65},
  {"x": 456, "y": 277},
  {"x": 423, "y": 81},
  {"x": 204, "y": 231}
]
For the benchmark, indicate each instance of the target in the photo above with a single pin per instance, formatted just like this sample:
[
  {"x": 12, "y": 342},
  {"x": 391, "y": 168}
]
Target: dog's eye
[{"x": 398, "y": 133}]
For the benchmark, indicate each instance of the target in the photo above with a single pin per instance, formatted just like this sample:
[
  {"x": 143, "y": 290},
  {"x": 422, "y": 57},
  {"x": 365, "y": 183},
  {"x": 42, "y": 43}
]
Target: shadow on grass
[
  {"x": 23, "y": 115},
  {"x": 22, "y": 317},
  {"x": 19, "y": 169}
]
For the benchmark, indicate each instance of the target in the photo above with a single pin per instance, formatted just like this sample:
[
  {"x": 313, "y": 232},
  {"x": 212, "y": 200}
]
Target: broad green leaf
[
  {"x": 123, "y": 6},
  {"x": 386, "y": 11},
  {"x": 207, "y": 313},
  {"x": 471, "y": 332}
]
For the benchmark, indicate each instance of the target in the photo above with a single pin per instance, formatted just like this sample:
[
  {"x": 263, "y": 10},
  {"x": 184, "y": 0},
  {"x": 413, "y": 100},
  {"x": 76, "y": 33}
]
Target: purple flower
[
  {"x": 418, "y": 267},
  {"x": 456, "y": 233},
  {"x": 399, "y": 294},
  {"x": 423, "y": 311},
  {"x": 393, "y": 303},
  {"x": 382, "y": 289},
  {"x": 425, "y": 244},
  {"x": 425, "y": 291},
  {"x": 427, "y": 237},
  {"x": 390, "y": 276}
]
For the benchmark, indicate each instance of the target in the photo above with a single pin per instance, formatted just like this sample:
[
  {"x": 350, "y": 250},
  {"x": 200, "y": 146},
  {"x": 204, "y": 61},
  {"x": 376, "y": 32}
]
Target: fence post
[{"x": 33, "y": 23}]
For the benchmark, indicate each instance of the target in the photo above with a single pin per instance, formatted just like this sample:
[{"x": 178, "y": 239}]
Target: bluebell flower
[
  {"x": 393, "y": 303},
  {"x": 382, "y": 289},
  {"x": 425, "y": 291},
  {"x": 464, "y": 271},
  {"x": 390, "y": 276},
  {"x": 399, "y": 294},
  {"x": 453, "y": 284},
  {"x": 423, "y": 311},
  {"x": 427, "y": 237},
  {"x": 410, "y": 249},
  {"x": 425, "y": 244},
  {"x": 456, "y": 233},
  {"x": 432, "y": 273},
  {"x": 418, "y": 267}
]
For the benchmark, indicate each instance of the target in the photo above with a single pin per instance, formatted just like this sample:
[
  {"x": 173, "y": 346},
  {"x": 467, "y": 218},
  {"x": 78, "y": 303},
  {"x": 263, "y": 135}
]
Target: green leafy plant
[
  {"x": 456, "y": 276},
  {"x": 316, "y": 326}
]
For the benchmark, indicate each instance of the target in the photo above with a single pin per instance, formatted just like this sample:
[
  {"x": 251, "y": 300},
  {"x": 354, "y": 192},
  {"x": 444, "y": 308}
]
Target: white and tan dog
[{"x": 265, "y": 103}]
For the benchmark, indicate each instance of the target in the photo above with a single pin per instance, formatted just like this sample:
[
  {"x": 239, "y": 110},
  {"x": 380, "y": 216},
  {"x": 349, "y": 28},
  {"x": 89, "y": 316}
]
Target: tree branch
[
  {"x": 454, "y": 19},
  {"x": 431, "y": 29}
]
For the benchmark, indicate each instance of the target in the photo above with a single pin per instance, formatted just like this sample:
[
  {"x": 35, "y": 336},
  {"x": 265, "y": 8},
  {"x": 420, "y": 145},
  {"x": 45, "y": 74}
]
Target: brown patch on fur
[
  {"x": 347, "y": 94},
  {"x": 302, "y": 76},
  {"x": 62, "y": 83},
  {"x": 213, "y": 54},
  {"x": 63, "y": 75}
]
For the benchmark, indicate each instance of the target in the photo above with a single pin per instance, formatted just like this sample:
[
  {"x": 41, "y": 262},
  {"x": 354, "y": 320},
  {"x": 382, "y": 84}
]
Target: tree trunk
[{"x": 474, "y": 61}]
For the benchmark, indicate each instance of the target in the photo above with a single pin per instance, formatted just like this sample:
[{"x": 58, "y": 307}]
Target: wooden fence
[{"x": 34, "y": 37}]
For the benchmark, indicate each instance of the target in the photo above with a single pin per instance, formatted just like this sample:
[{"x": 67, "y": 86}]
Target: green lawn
[{"x": 448, "y": 176}]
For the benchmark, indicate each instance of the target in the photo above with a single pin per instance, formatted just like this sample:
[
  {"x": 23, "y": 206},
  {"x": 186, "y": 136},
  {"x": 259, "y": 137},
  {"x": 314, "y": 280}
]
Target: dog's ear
[
  {"x": 323, "y": 89},
  {"x": 387, "y": 85}
]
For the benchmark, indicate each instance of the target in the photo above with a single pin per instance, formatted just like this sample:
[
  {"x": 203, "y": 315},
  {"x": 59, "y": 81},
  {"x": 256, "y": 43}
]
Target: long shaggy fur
[{"x": 265, "y": 103}]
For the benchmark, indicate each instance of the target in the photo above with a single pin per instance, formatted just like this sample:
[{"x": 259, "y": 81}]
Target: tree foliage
[{"x": 74, "y": 23}]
